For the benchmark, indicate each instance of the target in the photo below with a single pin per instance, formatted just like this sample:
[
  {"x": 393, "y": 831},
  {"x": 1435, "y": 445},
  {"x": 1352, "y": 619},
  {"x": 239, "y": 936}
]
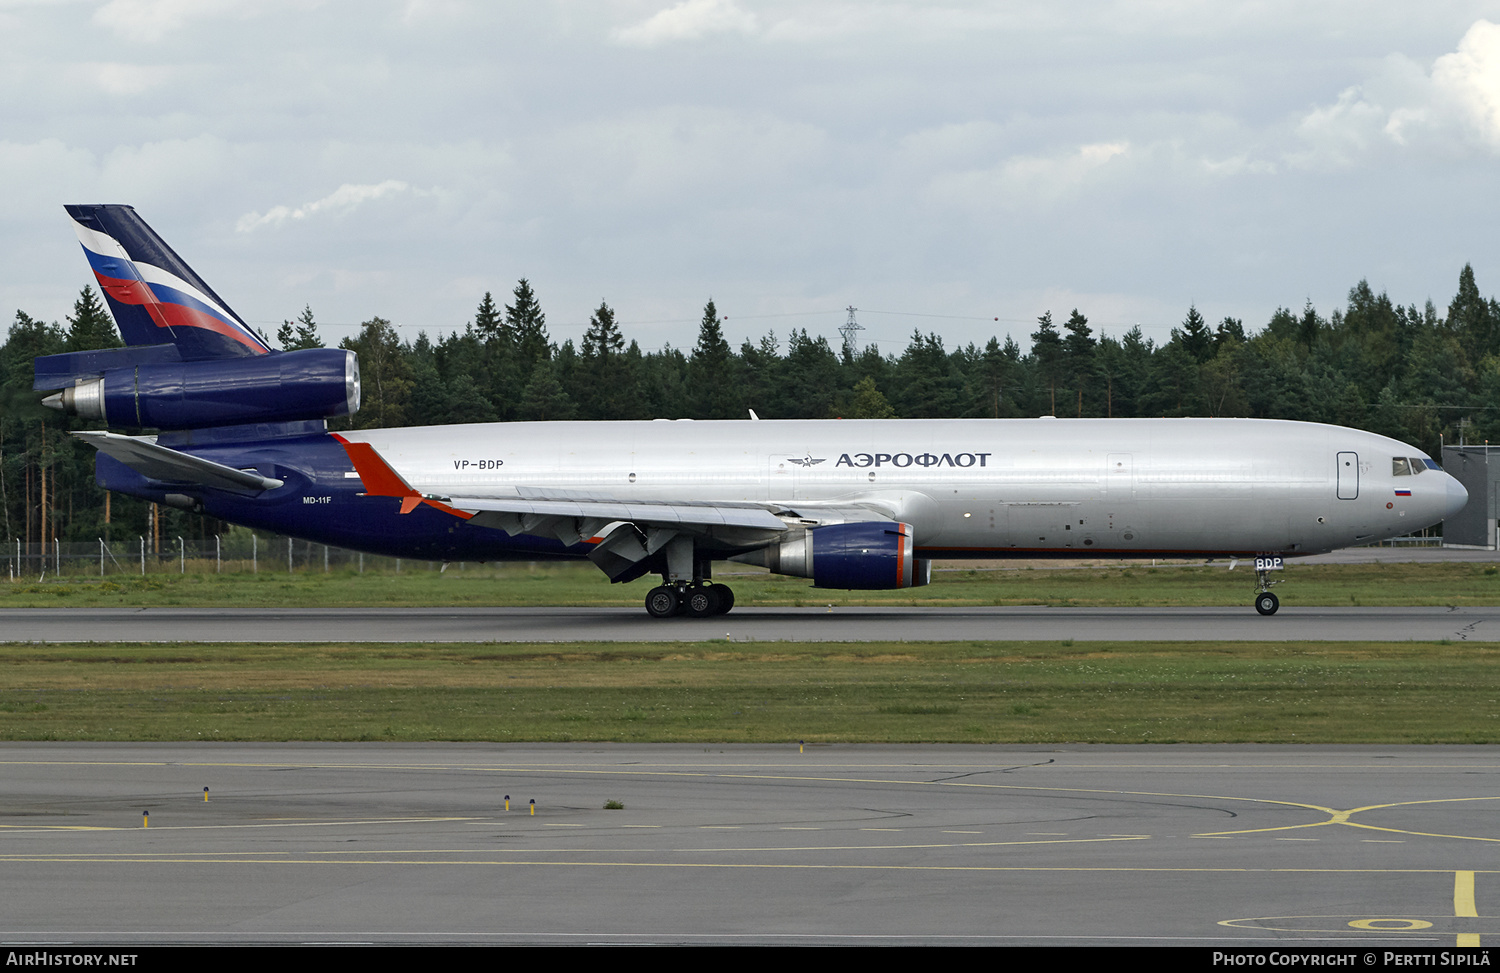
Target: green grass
[
  {"x": 988, "y": 692},
  {"x": 982, "y": 692},
  {"x": 580, "y": 584}
]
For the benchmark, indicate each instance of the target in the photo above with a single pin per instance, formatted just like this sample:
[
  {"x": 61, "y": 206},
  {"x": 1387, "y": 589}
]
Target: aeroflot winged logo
[{"x": 805, "y": 461}]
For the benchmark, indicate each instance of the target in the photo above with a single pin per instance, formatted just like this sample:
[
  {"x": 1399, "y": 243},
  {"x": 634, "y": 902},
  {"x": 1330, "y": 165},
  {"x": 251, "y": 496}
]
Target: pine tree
[
  {"x": 485, "y": 356},
  {"x": 1310, "y": 327},
  {"x": 711, "y": 344},
  {"x": 925, "y": 386},
  {"x": 90, "y": 325},
  {"x": 526, "y": 326},
  {"x": 487, "y": 321},
  {"x": 1194, "y": 336},
  {"x": 1230, "y": 334},
  {"x": 995, "y": 371},
  {"x": 1469, "y": 318},
  {"x": 1078, "y": 349},
  {"x": 604, "y": 382},
  {"x": 760, "y": 374},
  {"x": 603, "y": 338},
  {"x": 1132, "y": 372},
  {"x": 809, "y": 378},
  {"x": 1047, "y": 349},
  {"x": 545, "y": 399},
  {"x": 301, "y": 334},
  {"x": 711, "y": 369}
]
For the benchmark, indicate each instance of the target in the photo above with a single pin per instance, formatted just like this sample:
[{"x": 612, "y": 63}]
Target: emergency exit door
[{"x": 1348, "y": 486}]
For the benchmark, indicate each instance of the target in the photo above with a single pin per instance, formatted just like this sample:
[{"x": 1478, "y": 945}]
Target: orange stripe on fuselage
[
  {"x": 375, "y": 473},
  {"x": 382, "y": 481}
]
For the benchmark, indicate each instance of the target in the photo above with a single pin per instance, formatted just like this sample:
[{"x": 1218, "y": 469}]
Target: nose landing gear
[{"x": 1265, "y": 602}]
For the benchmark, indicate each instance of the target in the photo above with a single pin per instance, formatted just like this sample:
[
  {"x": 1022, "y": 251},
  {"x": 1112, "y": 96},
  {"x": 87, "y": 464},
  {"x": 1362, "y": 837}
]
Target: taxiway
[{"x": 1187, "y": 845}]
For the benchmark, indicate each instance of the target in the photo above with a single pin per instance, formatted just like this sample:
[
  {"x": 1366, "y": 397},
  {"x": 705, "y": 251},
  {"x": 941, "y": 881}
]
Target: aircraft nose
[{"x": 1457, "y": 497}]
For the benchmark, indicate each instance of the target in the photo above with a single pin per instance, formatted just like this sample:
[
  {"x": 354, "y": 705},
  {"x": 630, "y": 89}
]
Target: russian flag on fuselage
[{"x": 155, "y": 296}]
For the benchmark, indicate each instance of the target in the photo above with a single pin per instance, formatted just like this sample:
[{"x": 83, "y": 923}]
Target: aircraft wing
[
  {"x": 679, "y": 513},
  {"x": 143, "y": 455}
]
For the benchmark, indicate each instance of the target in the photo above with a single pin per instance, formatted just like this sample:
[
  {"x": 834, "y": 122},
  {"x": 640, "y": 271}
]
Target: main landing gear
[
  {"x": 700, "y": 600},
  {"x": 685, "y": 588}
]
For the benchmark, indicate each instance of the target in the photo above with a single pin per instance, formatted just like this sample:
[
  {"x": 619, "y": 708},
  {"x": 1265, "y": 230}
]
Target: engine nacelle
[
  {"x": 868, "y": 555},
  {"x": 314, "y": 383}
]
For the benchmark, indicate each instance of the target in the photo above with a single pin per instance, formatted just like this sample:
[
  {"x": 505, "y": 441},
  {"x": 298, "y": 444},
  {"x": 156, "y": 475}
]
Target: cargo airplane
[{"x": 241, "y": 434}]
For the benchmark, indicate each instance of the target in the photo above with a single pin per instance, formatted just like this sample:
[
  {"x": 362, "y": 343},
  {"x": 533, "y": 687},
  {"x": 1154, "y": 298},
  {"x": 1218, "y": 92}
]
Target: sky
[{"x": 948, "y": 167}]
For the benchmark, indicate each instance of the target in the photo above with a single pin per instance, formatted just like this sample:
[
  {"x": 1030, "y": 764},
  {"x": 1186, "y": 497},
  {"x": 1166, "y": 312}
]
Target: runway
[
  {"x": 920, "y": 624},
  {"x": 1177, "y": 845}
]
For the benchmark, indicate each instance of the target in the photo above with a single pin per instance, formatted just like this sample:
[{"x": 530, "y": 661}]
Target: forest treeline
[{"x": 1417, "y": 375}]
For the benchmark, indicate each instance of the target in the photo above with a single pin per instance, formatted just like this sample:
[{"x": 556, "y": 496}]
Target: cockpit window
[
  {"x": 1400, "y": 466},
  {"x": 1430, "y": 464},
  {"x": 1417, "y": 465}
]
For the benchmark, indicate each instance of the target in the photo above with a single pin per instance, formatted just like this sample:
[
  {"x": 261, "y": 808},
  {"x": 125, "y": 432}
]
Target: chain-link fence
[
  {"x": 223, "y": 554},
  {"x": 244, "y": 551}
]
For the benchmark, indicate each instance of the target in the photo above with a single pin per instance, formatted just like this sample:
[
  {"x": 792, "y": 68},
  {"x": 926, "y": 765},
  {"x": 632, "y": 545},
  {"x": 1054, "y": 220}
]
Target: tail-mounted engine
[
  {"x": 314, "y": 383},
  {"x": 867, "y": 555}
]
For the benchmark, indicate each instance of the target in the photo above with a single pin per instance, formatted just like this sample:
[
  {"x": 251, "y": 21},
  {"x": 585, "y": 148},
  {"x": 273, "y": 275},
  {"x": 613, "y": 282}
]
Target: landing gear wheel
[
  {"x": 703, "y": 601},
  {"x": 1267, "y": 603},
  {"x": 662, "y": 602},
  {"x": 726, "y": 598}
]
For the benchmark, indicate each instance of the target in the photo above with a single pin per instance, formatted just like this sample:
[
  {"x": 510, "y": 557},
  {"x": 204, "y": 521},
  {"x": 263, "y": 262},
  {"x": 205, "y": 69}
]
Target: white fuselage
[{"x": 973, "y": 487}]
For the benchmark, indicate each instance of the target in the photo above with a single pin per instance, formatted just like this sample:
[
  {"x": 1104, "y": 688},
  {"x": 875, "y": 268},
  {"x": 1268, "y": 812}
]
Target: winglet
[{"x": 377, "y": 476}]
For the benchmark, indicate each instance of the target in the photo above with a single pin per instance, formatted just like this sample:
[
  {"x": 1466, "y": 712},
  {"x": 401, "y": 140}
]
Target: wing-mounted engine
[
  {"x": 867, "y": 555},
  {"x": 314, "y": 383}
]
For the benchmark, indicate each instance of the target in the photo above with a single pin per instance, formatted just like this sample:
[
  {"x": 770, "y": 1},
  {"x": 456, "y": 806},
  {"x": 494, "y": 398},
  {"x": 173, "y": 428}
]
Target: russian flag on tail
[{"x": 155, "y": 296}]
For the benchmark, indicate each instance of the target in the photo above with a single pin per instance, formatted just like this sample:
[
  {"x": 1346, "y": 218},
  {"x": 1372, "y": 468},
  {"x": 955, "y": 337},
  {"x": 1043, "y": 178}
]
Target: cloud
[
  {"x": 1339, "y": 133},
  {"x": 343, "y": 199},
  {"x": 167, "y": 169},
  {"x": 1470, "y": 79},
  {"x": 124, "y": 80},
  {"x": 688, "y": 21},
  {"x": 676, "y": 158},
  {"x": 50, "y": 169},
  {"x": 1403, "y": 106},
  {"x": 1022, "y": 180},
  {"x": 151, "y": 20}
]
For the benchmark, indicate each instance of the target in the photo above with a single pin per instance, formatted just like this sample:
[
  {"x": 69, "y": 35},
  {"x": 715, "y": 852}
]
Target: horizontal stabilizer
[
  {"x": 161, "y": 463},
  {"x": 71, "y": 368}
]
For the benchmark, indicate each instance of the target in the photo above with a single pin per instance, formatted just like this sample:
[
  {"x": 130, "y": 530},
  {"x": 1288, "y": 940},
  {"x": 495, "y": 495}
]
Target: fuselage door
[{"x": 1348, "y": 476}]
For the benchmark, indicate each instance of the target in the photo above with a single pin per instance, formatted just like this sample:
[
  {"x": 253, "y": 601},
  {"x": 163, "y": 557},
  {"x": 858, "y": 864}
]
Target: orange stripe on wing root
[
  {"x": 382, "y": 481},
  {"x": 375, "y": 473}
]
